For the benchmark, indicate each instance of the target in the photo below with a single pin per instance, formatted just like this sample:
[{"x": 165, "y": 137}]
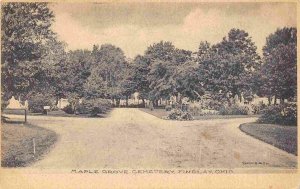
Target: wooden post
[
  {"x": 33, "y": 140},
  {"x": 25, "y": 116}
]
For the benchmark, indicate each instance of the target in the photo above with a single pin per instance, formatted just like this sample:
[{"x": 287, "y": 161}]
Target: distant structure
[
  {"x": 16, "y": 104},
  {"x": 26, "y": 104},
  {"x": 62, "y": 103}
]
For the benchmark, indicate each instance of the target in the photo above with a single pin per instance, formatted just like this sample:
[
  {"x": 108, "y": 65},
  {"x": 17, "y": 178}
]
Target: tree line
[{"x": 35, "y": 62}]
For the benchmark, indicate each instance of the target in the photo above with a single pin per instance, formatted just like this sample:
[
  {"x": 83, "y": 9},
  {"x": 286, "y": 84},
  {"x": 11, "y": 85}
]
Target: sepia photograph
[{"x": 137, "y": 88}]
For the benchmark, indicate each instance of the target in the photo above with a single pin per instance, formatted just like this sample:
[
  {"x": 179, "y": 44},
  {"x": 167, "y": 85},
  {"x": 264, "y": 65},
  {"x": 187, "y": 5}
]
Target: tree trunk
[
  {"x": 126, "y": 101},
  {"x": 73, "y": 107},
  {"x": 155, "y": 103},
  {"x": 178, "y": 99},
  {"x": 240, "y": 97},
  {"x": 117, "y": 102},
  {"x": 269, "y": 100},
  {"x": 56, "y": 100},
  {"x": 229, "y": 101},
  {"x": 275, "y": 100},
  {"x": 113, "y": 102},
  {"x": 143, "y": 103},
  {"x": 281, "y": 100}
]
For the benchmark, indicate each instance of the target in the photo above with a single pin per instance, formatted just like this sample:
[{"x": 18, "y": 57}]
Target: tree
[
  {"x": 95, "y": 87},
  {"x": 188, "y": 81},
  {"x": 74, "y": 74},
  {"x": 279, "y": 73},
  {"x": 128, "y": 84},
  {"x": 204, "y": 51},
  {"x": 164, "y": 60},
  {"x": 109, "y": 63},
  {"x": 51, "y": 80},
  {"x": 228, "y": 67},
  {"x": 161, "y": 81},
  {"x": 140, "y": 77},
  {"x": 25, "y": 30},
  {"x": 163, "y": 51}
]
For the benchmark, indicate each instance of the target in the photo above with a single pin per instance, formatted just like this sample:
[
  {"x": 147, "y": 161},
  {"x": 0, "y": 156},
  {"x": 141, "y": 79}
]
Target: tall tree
[
  {"x": 279, "y": 73},
  {"x": 51, "y": 79},
  {"x": 228, "y": 66},
  {"x": 188, "y": 81},
  {"x": 127, "y": 84},
  {"x": 164, "y": 59},
  {"x": 25, "y": 30},
  {"x": 95, "y": 87},
  {"x": 75, "y": 73},
  {"x": 110, "y": 64},
  {"x": 140, "y": 78}
]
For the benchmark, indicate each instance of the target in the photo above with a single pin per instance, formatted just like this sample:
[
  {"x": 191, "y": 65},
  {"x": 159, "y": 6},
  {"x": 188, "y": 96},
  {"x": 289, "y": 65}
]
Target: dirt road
[{"x": 130, "y": 138}]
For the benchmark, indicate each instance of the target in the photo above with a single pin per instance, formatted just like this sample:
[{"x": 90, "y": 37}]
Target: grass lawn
[
  {"x": 283, "y": 137},
  {"x": 55, "y": 113},
  {"x": 17, "y": 143},
  {"x": 162, "y": 112},
  {"x": 156, "y": 112}
]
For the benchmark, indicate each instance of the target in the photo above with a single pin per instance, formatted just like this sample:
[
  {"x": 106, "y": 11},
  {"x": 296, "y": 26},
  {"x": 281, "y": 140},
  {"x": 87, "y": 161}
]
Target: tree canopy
[
  {"x": 25, "y": 33},
  {"x": 34, "y": 61},
  {"x": 228, "y": 67},
  {"x": 278, "y": 74}
]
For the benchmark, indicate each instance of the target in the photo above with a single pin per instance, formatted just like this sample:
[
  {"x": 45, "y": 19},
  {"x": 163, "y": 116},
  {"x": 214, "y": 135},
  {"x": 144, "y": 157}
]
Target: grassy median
[
  {"x": 283, "y": 137},
  {"x": 17, "y": 143}
]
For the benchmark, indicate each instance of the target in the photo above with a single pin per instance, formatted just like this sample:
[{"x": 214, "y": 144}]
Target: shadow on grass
[{"x": 5, "y": 119}]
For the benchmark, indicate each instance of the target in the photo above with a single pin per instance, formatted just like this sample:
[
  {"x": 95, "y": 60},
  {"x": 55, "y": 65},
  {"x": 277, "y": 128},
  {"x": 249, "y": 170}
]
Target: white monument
[{"x": 14, "y": 104}]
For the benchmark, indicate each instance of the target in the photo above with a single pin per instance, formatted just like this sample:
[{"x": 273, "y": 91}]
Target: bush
[
  {"x": 37, "y": 102},
  {"x": 258, "y": 108},
  {"x": 234, "y": 110},
  {"x": 94, "y": 106},
  {"x": 68, "y": 109},
  {"x": 284, "y": 114},
  {"x": 177, "y": 114},
  {"x": 168, "y": 108},
  {"x": 215, "y": 104}
]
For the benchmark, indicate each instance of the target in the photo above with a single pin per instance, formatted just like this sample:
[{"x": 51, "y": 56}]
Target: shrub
[
  {"x": 258, "y": 108},
  {"x": 68, "y": 109},
  {"x": 215, "y": 104},
  {"x": 177, "y": 114},
  {"x": 186, "y": 116},
  {"x": 284, "y": 114},
  {"x": 37, "y": 102},
  {"x": 94, "y": 106},
  {"x": 234, "y": 110},
  {"x": 168, "y": 107},
  {"x": 195, "y": 108}
]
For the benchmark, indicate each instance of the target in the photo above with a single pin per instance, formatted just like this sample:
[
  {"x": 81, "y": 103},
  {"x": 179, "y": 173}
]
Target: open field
[
  {"x": 17, "y": 144},
  {"x": 283, "y": 137}
]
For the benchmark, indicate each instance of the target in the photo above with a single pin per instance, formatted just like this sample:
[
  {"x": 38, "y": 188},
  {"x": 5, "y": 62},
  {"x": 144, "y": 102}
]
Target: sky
[{"x": 135, "y": 26}]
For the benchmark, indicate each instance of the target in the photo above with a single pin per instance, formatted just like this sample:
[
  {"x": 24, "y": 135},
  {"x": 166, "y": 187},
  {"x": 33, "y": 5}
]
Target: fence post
[
  {"x": 33, "y": 140},
  {"x": 25, "y": 116}
]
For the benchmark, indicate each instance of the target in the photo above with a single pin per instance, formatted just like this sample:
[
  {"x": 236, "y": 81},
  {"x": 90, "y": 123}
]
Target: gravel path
[{"x": 130, "y": 138}]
